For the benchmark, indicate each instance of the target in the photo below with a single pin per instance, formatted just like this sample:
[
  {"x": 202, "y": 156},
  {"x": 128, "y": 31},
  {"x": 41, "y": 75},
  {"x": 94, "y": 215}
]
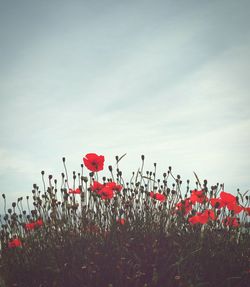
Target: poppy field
[{"x": 91, "y": 230}]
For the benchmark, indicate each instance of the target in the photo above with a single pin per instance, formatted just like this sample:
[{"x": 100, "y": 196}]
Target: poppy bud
[
  {"x": 10, "y": 210},
  {"x": 154, "y": 164},
  {"x": 63, "y": 159},
  {"x": 110, "y": 168},
  {"x": 3, "y": 195},
  {"x": 164, "y": 174},
  {"x": 142, "y": 157},
  {"x": 170, "y": 168},
  {"x": 50, "y": 177},
  {"x": 116, "y": 157},
  {"x": 13, "y": 204},
  {"x": 42, "y": 172},
  {"x": 217, "y": 204}
]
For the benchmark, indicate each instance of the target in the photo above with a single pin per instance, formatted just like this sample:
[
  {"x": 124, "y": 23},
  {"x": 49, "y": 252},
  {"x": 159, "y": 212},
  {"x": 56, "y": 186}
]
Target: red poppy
[
  {"x": 74, "y": 191},
  {"x": 199, "y": 218},
  {"x": 227, "y": 197},
  {"x": 30, "y": 226},
  {"x": 210, "y": 214},
  {"x": 185, "y": 206},
  {"x": 115, "y": 187},
  {"x": 157, "y": 196},
  {"x": 106, "y": 193},
  {"x": 202, "y": 217},
  {"x": 96, "y": 187},
  {"x": 217, "y": 203},
  {"x": 231, "y": 221},
  {"x": 198, "y": 196},
  {"x": 235, "y": 207},
  {"x": 39, "y": 222},
  {"x": 15, "y": 243},
  {"x": 94, "y": 162},
  {"x": 121, "y": 221},
  {"x": 247, "y": 210}
]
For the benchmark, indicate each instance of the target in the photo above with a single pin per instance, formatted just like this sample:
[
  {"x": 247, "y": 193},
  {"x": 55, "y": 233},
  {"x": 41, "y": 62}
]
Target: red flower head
[
  {"x": 198, "y": 196},
  {"x": 30, "y": 226},
  {"x": 231, "y": 221},
  {"x": 247, "y": 210},
  {"x": 39, "y": 222},
  {"x": 228, "y": 198},
  {"x": 15, "y": 243},
  {"x": 74, "y": 191},
  {"x": 106, "y": 193},
  {"x": 115, "y": 187},
  {"x": 210, "y": 214},
  {"x": 185, "y": 206},
  {"x": 121, "y": 221},
  {"x": 235, "y": 207},
  {"x": 202, "y": 217},
  {"x": 217, "y": 203},
  {"x": 94, "y": 162},
  {"x": 96, "y": 187},
  {"x": 157, "y": 196}
]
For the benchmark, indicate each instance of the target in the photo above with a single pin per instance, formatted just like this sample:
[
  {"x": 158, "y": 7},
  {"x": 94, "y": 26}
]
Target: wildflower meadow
[{"x": 90, "y": 230}]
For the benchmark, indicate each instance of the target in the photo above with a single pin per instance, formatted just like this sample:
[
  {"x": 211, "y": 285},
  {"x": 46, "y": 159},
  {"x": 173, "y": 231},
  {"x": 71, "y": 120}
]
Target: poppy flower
[
  {"x": 217, "y": 203},
  {"x": 15, "y": 243},
  {"x": 247, "y": 210},
  {"x": 231, "y": 221},
  {"x": 184, "y": 206},
  {"x": 202, "y": 217},
  {"x": 210, "y": 214},
  {"x": 74, "y": 191},
  {"x": 94, "y": 162},
  {"x": 235, "y": 207},
  {"x": 121, "y": 221},
  {"x": 96, "y": 187},
  {"x": 228, "y": 197},
  {"x": 30, "y": 226},
  {"x": 198, "y": 196},
  {"x": 199, "y": 218},
  {"x": 106, "y": 193},
  {"x": 39, "y": 222},
  {"x": 157, "y": 196},
  {"x": 115, "y": 187}
]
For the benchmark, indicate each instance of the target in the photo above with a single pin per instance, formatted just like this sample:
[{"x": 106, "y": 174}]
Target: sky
[{"x": 167, "y": 79}]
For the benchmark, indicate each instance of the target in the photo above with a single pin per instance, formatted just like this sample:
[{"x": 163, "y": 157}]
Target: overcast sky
[{"x": 168, "y": 79}]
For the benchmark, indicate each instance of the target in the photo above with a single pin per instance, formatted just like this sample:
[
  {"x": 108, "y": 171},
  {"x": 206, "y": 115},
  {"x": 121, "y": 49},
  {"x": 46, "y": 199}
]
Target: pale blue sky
[{"x": 168, "y": 79}]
